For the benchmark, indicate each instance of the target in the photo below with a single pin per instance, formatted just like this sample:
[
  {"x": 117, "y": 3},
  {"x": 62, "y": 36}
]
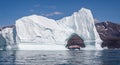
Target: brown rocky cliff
[{"x": 75, "y": 40}]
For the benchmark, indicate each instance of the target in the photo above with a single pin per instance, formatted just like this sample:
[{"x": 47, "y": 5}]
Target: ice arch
[
  {"x": 82, "y": 23},
  {"x": 44, "y": 31},
  {"x": 39, "y": 29}
]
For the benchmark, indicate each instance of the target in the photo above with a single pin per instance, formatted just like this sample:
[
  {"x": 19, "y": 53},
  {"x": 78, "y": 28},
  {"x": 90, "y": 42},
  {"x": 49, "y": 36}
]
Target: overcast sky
[{"x": 11, "y": 10}]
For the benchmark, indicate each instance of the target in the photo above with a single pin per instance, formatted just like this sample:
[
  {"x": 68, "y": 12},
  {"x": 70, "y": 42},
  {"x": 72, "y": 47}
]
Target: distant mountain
[
  {"x": 10, "y": 26},
  {"x": 109, "y": 33}
]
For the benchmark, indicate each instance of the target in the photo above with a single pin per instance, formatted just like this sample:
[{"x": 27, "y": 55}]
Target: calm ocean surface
[{"x": 106, "y": 57}]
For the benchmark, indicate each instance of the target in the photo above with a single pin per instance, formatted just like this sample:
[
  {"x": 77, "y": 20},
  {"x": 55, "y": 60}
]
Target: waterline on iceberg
[{"x": 42, "y": 30}]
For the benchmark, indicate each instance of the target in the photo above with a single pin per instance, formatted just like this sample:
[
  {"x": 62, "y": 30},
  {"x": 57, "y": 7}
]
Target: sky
[{"x": 102, "y": 10}]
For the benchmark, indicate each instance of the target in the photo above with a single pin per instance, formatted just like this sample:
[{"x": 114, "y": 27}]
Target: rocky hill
[{"x": 109, "y": 33}]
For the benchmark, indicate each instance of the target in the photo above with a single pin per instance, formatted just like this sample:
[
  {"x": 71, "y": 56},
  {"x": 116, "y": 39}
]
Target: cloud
[
  {"x": 54, "y": 13},
  {"x": 44, "y": 6},
  {"x": 31, "y": 10},
  {"x": 52, "y": 7},
  {"x": 37, "y": 5}
]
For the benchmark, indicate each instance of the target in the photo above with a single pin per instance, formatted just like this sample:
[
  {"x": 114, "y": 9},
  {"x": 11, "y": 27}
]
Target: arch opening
[{"x": 75, "y": 42}]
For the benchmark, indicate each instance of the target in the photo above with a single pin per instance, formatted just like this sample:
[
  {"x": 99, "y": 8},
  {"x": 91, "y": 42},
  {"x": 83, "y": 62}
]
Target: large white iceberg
[{"x": 38, "y": 30}]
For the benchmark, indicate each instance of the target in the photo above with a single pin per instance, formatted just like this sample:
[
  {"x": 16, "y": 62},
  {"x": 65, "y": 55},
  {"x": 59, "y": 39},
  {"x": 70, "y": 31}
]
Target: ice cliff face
[
  {"x": 8, "y": 38},
  {"x": 82, "y": 23},
  {"x": 41, "y": 30},
  {"x": 38, "y": 29}
]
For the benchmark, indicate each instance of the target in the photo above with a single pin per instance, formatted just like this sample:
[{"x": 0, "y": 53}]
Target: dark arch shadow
[{"x": 75, "y": 40}]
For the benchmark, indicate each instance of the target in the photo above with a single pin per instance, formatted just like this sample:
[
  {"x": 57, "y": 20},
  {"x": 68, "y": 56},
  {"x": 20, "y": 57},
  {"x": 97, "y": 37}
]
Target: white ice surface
[{"x": 43, "y": 31}]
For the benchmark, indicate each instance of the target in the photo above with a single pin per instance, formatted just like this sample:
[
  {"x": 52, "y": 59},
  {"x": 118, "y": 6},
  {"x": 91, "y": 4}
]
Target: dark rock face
[
  {"x": 109, "y": 33},
  {"x": 11, "y": 26},
  {"x": 75, "y": 41}
]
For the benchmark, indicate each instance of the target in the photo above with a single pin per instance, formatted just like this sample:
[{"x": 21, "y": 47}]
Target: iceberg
[
  {"x": 41, "y": 33},
  {"x": 8, "y": 38}
]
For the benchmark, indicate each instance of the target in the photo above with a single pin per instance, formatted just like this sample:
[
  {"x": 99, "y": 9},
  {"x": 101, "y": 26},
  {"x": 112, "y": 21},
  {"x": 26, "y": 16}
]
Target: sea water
[{"x": 66, "y": 57}]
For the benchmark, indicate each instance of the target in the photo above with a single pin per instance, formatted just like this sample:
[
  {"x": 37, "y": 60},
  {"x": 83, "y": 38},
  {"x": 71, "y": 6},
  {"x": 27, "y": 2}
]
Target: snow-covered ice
[{"x": 46, "y": 34}]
